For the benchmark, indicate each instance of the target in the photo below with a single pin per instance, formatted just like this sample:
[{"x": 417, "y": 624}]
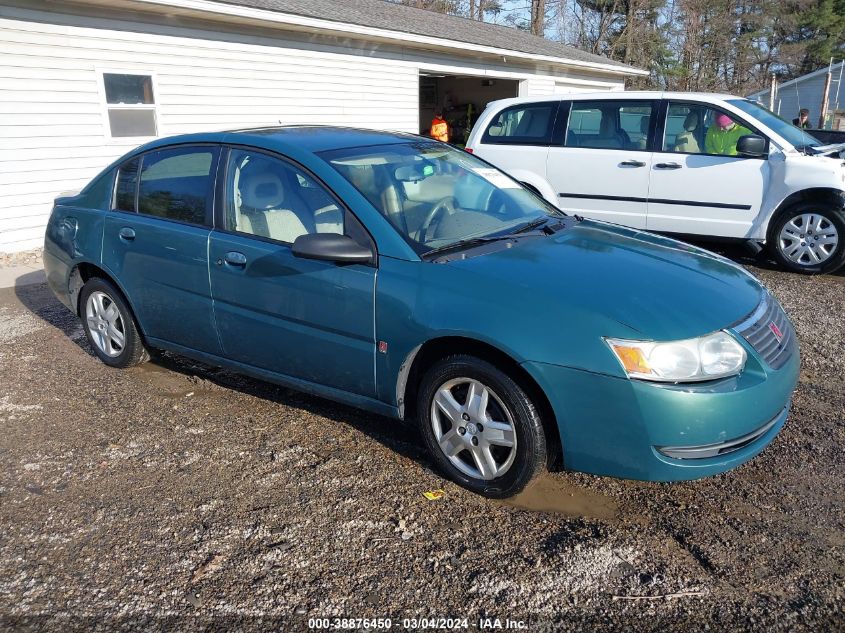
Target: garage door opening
[{"x": 461, "y": 99}]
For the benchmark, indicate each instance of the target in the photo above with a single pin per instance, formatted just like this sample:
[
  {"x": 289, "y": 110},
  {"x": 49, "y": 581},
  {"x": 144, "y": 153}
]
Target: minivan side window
[
  {"x": 609, "y": 124},
  {"x": 177, "y": 184},
  {"x": 126, "y": 186},
  {"x": 696, "y": 128},
  {"x": 523, "y": 124}
]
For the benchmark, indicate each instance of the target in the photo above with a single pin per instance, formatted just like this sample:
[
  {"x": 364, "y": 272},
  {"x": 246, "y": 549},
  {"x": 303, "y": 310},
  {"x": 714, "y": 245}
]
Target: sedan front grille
[{"x": 769, "y": 331}]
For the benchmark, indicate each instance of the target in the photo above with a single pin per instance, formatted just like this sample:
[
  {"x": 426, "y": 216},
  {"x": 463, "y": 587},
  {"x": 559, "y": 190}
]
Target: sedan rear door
[{"x": 155, "y": 243}]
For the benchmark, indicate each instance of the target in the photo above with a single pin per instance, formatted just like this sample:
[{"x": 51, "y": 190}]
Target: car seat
[
  {"x": 532, "y": 124},
  {"x": 610, "y": 136},
  {"x": 686, "y": 141},
  {"x": 377, "y": 186},
  {"x": 645, "y": 124},
  {"x": 268, "y": 207}
]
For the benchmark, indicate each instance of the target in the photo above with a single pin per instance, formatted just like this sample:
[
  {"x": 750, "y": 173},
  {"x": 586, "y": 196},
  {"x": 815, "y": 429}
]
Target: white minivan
[{"x": 684, "y": 163}]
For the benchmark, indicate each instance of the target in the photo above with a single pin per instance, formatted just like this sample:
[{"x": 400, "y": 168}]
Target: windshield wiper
[
  {"x": 530, "y": 225},
  {"x": 807, "y": 150},
  {"x": 467, "y": 243},
  {"x": 512, "y": 235}
]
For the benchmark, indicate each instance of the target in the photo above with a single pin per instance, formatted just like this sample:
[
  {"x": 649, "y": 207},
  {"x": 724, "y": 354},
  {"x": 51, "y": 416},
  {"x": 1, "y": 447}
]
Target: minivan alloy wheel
[
  {"x": 473, "y": 428},
  {"x": 105, "y": 324},
  {"x": 808, "y": 239}
]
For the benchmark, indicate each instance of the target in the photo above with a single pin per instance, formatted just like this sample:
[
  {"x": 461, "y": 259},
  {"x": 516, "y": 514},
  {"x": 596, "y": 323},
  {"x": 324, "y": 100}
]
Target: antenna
[
  {"x": 838, "y": 86},
  {"x": 826, "y": 96}
]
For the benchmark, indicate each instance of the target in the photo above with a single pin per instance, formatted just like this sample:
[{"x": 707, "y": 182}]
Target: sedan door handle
[
  {"x": 126, "y": 234},
  {"x": 668, "y": 166},
  {"x": 632, "y": 163},
  {"x": 234, "y": 258}
]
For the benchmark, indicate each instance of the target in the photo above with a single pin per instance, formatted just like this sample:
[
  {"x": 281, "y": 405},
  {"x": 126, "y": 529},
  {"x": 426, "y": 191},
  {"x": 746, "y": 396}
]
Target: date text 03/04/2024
[{"x": 482, "y": 624}]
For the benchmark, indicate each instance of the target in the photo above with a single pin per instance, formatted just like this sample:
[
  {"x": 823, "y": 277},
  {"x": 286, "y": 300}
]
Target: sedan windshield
[
  {"x": 437, "y": 196},
  {"x": 794, "y": 135}
]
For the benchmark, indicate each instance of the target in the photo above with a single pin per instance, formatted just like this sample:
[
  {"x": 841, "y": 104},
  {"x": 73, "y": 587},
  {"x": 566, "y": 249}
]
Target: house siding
[
  {"x": 808, "y": 95},
  {"x": 54, "y": 134},
  {"x": 805, "y": 92}
]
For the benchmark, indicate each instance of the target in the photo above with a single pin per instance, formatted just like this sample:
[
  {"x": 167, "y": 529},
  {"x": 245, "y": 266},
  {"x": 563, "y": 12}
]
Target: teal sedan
[{"x": 405, "y": 277}]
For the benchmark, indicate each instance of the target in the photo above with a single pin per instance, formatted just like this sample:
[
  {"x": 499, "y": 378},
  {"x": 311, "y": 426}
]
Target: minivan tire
[
  {"x": 104, "y": 311},
  {"x": 832, "y": 217},
  {"x": 506, "y": 405}
]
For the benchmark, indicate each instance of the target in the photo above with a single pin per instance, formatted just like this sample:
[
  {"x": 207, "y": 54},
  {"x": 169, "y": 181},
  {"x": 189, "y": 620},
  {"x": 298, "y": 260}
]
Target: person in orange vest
[{"x": 439, "y": 128}]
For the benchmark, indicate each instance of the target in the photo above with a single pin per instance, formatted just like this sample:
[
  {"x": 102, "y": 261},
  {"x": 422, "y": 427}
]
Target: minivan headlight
[{"x": 709, "y": 357}]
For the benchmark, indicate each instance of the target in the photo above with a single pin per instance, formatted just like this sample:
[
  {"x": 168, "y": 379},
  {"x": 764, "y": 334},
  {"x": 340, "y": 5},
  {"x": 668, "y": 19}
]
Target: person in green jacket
[{"x": 722, "y": 136}]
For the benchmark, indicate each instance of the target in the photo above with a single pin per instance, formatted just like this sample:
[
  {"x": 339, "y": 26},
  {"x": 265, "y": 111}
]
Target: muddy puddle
[
  {"x": 169, "y": 383},
  {"x": 553, "y": 494}
]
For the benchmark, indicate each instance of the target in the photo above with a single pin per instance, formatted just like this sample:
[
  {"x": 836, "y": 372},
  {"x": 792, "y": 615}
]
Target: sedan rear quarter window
[
  {"x": 126, "y": 186},
  {"x": 176, "y": 184}
]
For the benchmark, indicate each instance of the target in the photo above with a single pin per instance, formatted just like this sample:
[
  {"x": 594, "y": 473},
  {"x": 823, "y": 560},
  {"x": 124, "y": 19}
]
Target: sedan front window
[{"x": 435, "y": 195}]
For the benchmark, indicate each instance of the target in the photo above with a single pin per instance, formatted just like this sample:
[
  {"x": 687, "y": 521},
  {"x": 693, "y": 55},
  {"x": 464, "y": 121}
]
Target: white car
[{"x": 684, "y": 163}]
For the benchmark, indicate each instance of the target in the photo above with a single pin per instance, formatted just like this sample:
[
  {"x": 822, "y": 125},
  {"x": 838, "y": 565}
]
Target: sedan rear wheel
[
  {"x": 481, "y": 426},
  {"x": 109, "y": 325},
  {"x": 105, "y": 323}
]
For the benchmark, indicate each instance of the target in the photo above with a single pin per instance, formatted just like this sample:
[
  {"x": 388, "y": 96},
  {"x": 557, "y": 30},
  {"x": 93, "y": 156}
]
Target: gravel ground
[
  {"x": 179, "y": 496},
  {"x": 20, "y": 258}
]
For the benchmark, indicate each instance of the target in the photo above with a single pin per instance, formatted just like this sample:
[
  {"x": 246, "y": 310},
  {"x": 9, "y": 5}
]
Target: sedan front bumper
[{"x": 618, "y": 427}]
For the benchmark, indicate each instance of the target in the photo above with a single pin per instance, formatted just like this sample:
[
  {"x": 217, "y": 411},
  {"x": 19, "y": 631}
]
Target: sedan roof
[
  {"x": 289, "y": 139},
  {"x": 317, "y": 138}
]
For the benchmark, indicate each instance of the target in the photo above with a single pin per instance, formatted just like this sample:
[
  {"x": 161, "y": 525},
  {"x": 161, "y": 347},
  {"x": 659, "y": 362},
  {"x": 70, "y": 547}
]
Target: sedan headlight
[{"x": 706, "y": 358}]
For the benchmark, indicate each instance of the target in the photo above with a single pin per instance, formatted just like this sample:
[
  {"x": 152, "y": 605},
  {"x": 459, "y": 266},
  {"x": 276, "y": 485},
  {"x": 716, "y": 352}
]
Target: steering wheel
[{"x": 446, "y": 205}]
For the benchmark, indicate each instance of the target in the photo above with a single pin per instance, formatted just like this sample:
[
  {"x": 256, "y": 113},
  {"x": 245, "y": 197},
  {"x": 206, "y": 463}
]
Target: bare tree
[{"x": 538, "y": 17}]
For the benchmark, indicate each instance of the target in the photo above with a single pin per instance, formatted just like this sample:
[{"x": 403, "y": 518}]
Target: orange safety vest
[{"x": 440, "y": 130}]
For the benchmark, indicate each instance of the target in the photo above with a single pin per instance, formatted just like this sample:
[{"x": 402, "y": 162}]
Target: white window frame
[{"x": 106, "y": 106}]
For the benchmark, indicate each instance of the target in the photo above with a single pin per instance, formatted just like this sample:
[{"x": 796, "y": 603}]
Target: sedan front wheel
[{"x": 481, "y": 427}]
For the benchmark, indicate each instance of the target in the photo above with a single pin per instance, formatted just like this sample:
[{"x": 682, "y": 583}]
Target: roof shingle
[{"x": 396, "y": 17}]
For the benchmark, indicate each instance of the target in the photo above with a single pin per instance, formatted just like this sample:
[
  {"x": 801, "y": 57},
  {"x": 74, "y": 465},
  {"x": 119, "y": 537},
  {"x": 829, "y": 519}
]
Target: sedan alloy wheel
[{"x": 473, "y": 428}]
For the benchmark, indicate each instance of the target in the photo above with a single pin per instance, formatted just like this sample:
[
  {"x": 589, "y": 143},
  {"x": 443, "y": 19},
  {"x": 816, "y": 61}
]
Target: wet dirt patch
[{"x": 555, "y": 495}]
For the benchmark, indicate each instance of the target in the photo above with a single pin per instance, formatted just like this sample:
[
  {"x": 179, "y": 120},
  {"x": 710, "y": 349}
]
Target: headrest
[
  {"x": 260, "y": 185},
  {"x": 608, "y": 124},
  {"x": 363, "y": 177},
  {"x": 691, "y": 122}
]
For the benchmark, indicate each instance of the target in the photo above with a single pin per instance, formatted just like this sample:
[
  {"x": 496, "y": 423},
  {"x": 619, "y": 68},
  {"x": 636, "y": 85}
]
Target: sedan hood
[{"x": 654, "y": 287}]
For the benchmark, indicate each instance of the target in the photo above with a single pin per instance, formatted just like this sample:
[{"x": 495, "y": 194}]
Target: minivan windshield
[
  {"x": 794, "y": 135},
  {"x": 436, "y": 196}
]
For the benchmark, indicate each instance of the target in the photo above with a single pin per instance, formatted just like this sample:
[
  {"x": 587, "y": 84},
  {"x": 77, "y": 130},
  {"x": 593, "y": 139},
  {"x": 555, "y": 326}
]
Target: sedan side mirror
[
  {"x": 751, "y": 146},
  {"x": 331, "y": 247}
]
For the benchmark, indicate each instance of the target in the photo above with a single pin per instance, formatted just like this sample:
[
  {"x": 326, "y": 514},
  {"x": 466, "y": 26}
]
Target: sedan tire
[
  {"x": 809, "y": 238},
  {"x": 109, "y": 325},
  {"x": 481, "y": 427}
]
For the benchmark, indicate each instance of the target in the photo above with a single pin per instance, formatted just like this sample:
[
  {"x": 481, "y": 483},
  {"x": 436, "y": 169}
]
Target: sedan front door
[{"x": 305, "y": 319}]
